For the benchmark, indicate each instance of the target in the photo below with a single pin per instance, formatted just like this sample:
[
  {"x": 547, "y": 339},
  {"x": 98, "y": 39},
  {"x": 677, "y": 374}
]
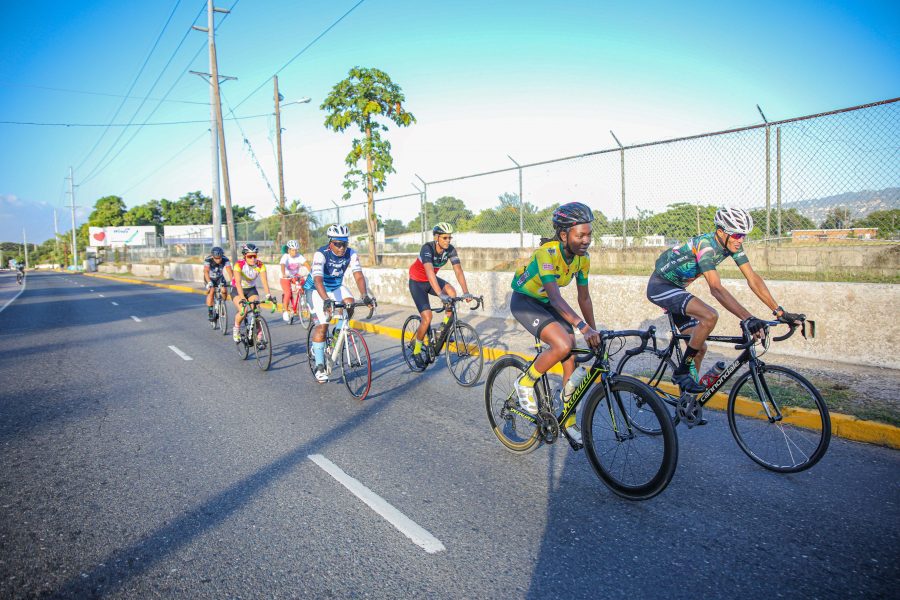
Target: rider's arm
[
  {"x": 561, "y": 306},
  {"x": 758, "y": 286},
  {"x": 265, "y": 279},
  {"x": 229, "y": 273},
  {"x": 724, "y": 296},
  {"x": 361, "y": 283},
  {"x": 206, "y": 273},
  {"x": 586, "y": 305},
  {"x": 283, "y": 272},
  {"x": 461, "y": 278},
  {"x": 432, "y": 278}
]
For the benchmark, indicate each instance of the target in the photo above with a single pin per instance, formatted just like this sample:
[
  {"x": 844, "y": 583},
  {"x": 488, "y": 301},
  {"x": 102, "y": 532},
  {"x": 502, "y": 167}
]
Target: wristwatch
[{"x": 775, "y": 312}]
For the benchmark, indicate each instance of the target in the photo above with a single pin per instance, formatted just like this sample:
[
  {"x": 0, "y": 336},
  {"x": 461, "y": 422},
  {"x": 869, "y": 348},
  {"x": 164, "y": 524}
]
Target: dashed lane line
[
  {"x": 418, "y": 535},
  {"x": 11, "y": 300},
  {"x": 180, "y": 353},
  {"x": 115, "y": 303},
  {"x": 136, "y": 320}
]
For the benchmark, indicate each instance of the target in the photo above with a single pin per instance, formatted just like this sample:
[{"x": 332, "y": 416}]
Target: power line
[
  {"x": 171, "y": 158},
  {"x": 133, "y": 83},
  {"x": 296, "y": 56},
  {"x": 252, "y": 153},
  {"x": 71, "y": 91},
  {"x": 146, "y": 124}
]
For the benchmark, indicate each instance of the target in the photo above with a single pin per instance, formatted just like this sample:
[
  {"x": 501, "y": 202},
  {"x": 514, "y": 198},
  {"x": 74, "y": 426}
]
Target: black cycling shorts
[
  {"x": 534, "y": 315},
  {"x": 248, "y": 292},
  {"x": 420, "y": 291},
  {"x": 672, "y": 299},
  {"x": 217, "y": 281}
]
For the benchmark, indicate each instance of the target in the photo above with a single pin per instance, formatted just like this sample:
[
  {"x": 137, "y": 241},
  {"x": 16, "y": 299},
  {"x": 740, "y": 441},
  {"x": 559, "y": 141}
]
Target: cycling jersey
[
  {"x": 547, "y": 264},
  {"x": 683, "y": 264},
  {"x": 292, "y": 264},
  {"x": 248, "y": 275},
  {"x": 331, "y": 268},
  {"x": 215, "y": 269},
  {"x": 429, "y": 254}
]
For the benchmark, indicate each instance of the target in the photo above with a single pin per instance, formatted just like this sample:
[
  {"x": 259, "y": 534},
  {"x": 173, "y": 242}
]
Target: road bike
[
  {"x": 20, "y": 277},
  {"x": 346, "y": 347},
  {"x": 220, "y": 310},
  {"x": 297, "y": 307},
  {"x": 633, "y": 463},
  {"x": 777, "y": 417},
  {"x": 464, "y": 357},
  {"x": 254, "y": 333}
]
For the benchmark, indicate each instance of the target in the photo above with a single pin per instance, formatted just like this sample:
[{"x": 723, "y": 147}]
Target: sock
[
  {"x": 570, "y": 421},
  {"x": 417, "y": 349},
  {"x": 530, "y": 377},
  {"x": 319, "y": 352},
  {"x": 446, "y": 318},
  {"x": 688, "y": 361}
]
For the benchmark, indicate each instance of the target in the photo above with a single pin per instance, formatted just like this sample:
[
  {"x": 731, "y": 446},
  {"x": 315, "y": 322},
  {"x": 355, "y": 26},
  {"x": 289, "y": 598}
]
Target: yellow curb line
[{"x": 845, "y": 426}]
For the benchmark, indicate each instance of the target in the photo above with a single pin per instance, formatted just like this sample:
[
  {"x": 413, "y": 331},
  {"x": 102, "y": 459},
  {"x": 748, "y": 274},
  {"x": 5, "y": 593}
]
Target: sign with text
[{"x": 120, "y": 236}]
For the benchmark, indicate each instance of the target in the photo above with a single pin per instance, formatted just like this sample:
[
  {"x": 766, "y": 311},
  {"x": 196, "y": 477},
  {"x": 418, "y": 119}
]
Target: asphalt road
[{"x": 128, "y": 471}]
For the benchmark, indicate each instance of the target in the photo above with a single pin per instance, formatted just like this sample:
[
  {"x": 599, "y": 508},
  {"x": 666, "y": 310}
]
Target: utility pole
[
  {"x": 424, "y": 205},
  {"x": 622, "y": 168},
  {"x": 278, "y": 154},
  {"x": 768, "y": 176},
  {"x": 521, "y": 205},
  {"x": 25, "y": 243},
  {"x": 72, "y": 206},
  {"x": 421, "y": 211},
  {"x": 220, "y": 128},
  {"x": 55, "y": 231}
]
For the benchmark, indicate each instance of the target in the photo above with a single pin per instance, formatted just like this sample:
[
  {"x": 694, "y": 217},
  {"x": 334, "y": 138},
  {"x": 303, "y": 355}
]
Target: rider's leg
[
  {"x": 706, "y": 317},
  {"x": 238, "y": 316},
  {"x": 209, "y": 302},
  {"x": 424, "y": 324},
  {"x": 286, "y": 298},
  {"x": 450, "y": 291}
]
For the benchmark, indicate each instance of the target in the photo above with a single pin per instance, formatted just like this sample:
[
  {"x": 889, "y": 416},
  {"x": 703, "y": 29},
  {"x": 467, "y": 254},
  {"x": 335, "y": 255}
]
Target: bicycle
[
  {"x": 767, "y": 403},
  {"x": 220, "y": 311},
  {"x": 298, "y": 307},
  {"x": 345, "y": 346},
  {"x": 616, "y": 449},
  {"x": 464, "y": 357},
  {"x": 20, "y": 277},
  {"x": 254, "y": 334}
]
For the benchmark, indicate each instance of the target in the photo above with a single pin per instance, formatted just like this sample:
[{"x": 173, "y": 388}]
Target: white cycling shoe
[
  {"x": 321, "y": 375},
  {"x": 574, "y": 433},
  {"x": 285, "y": 316},
  {"x": 525, "y": 393}
]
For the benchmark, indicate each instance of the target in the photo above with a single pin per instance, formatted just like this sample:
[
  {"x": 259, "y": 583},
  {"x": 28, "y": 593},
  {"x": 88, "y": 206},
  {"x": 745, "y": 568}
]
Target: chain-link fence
[{"x": 829, "y": 176}]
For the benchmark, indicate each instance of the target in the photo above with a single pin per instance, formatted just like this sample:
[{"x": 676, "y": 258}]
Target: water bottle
[
  {"x": 573, "y": 383},
  {"x": 711, "y": 376}
]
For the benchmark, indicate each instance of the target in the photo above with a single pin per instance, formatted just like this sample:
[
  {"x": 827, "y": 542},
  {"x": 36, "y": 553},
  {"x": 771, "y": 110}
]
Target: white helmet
[
  {"x": 293, "y": 245},
  {"x": 734, "y": 220},
  {"x": 338, "y": 231}
]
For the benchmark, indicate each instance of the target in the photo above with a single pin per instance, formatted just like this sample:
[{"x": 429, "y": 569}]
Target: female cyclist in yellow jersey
[{"x": 539, "y": 306}]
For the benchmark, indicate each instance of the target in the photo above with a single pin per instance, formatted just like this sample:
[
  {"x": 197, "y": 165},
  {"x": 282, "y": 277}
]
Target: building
[{"x": 825, "y": 235}]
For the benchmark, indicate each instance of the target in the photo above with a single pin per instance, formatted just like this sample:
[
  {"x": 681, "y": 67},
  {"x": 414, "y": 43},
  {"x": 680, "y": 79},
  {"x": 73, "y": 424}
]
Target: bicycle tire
[
  {"x": 261, "y": 337},
  {"x": 465, "y": 366},
  {"x": 500, "y": 397},
  {"x": 243, "y": 349},
  {"x": 407, "y": 337},
  {"x": 807, "y": 432},
  {"x": 223, "y": 316},
  {"x": 303, "y": 311},
  {"x": 356, "y": 364},
  {"x": 651, "y": 368},
  {"x": 656, "y": 455}
]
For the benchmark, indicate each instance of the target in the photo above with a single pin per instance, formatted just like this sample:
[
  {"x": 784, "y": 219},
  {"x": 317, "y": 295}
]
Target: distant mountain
[{"x": 859, "y": 203}]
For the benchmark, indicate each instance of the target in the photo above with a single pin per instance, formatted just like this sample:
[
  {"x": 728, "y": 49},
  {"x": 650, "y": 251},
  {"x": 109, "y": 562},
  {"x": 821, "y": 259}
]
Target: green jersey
[{"x": 683, "y": 264}]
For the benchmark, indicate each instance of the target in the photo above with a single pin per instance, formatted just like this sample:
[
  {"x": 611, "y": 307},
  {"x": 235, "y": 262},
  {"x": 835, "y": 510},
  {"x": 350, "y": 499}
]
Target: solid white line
[
  {"x": 10, "y": 301},
  {"x": 115, "y": 303},
  {"x": 180, "y": 353},
  {"x": 419, "y": 536},
  {"x": 135, "y": 319},
  {"x": 102, "y": 296},
  {"x": 92, "y": 290}
]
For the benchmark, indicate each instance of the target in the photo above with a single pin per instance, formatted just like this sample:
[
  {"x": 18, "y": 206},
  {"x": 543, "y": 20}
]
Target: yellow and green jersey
[{"x": 548, "y": 263}]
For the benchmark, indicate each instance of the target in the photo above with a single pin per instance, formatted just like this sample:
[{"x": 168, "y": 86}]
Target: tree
[
  {"x": 357, "y": 101},
  {"x": 837, "y": 218},
  {"x": 887, "y": 222},
  {"x": 447, "y": 209},
  {"x": 791, "y": 219},
  {"x": 109, "y": 211},
  {"x": 144, "y": 214}
]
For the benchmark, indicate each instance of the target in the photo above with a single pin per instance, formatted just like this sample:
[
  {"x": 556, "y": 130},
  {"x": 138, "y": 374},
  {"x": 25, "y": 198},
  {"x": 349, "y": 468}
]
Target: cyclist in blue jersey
[
  {"x": 325, "y": 286},
  {"x": 677, "y": 267}
]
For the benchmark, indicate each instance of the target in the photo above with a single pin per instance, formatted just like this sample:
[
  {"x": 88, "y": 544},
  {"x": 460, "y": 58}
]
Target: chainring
[
  {"x": 689, "y": 410},
  {"x": 548, "y": 427}
]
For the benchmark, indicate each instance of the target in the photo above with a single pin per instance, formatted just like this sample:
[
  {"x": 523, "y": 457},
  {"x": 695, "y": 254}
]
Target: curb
[{"x": 844, "y": 426}]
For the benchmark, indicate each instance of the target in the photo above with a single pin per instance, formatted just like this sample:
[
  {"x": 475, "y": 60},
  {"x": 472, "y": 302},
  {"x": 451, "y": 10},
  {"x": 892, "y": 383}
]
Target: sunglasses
[
  {"x": 738, "y": 236},
  {"x": 446, "y": 237},
  {"x": 249, "y": 256},
  {"x": 340, "y": 244}
]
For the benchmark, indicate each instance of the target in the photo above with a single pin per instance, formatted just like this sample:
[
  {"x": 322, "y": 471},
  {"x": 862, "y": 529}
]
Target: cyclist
[
  {"x": 325, "y": 286},
  {"x": 423, "y": 280},
  {"x": 539, "y": 306},
  {"x": 216, "y": 271},
  {"x": 20, "y": 272},
  {"x": 677, "y": 267},
  {"x": 291, "y": 261},
  {"x": 249, "y": 273}
]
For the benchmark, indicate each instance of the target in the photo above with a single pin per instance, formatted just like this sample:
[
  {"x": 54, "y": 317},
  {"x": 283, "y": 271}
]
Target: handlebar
[
  {"x": 348, "y": 305},
  {"x": 749, "y": 340},
  {"x": 479, "y": 302},
  {"x": 255, "y": 303},
  {"x": 587, "y": 354}
]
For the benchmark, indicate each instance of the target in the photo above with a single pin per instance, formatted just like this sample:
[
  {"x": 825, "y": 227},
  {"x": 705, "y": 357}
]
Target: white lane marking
[
  {"x": 101, "y": 295},
  {"x": 136, "y": 320},
  {"x": 419, "y": 536},
  {"x": 115, "y": 303},
  {"x": 92, "y": 290},
  {"x": 10, "y": 301},
  {"x": 180, "y": 353}
]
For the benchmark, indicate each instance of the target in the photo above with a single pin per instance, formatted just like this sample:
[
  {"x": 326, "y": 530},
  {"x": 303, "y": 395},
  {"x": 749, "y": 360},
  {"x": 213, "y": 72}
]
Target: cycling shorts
[
  {"x": 420, "y": 291},
  {"x": 317, "y": 304},
  {"x": 248, "y": 292},
  {"x": 534, "y": 315},
  {"x": 217, "y": 281},
  {"x": 672, "y": 299}
]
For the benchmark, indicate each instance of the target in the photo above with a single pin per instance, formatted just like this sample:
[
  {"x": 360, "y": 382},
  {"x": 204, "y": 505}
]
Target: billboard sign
[
  {"x": 190, "y": 234},
  {"x": 120, "y": 236}
]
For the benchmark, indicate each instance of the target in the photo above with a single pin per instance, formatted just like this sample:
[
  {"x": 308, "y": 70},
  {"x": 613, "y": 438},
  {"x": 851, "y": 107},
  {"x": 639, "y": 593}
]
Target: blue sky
[{"x": 534, "y": 80}]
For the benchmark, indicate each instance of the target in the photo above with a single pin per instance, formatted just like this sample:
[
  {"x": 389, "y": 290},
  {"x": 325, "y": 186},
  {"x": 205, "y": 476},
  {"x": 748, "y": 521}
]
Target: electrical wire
[
  {"x": 193, "y": 122},
  {"x": 71, "y": 91},
  {"x": 171, "y": 158}
]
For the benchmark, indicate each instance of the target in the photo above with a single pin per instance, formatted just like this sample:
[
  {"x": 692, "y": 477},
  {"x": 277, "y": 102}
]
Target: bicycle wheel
[
  {"x": 517, "y": 434},
  {"x": 633, "y": 464},
  {"x": 656, "y": 372},
  {"x": 222, "y": 317},
  {"x": 310, "y": 357},
  {"x": 407, "y": 339},
  {"x": 303, "y": 311},
  {"x": 463, "y": 352},
  {"x": 356, "y": 365},
  {"x": 243, "y": 349},
  {"x": 262, "y": 344},
  {"x": 795, "y": 442}
]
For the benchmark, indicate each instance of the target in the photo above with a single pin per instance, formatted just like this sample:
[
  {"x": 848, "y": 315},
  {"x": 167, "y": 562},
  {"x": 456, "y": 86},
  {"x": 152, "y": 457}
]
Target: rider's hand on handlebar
[
  {"x": 209, "y": 285},
  {"x": 270, "y": 298},
  {"x": 469, "y": 298},
  {"x": 328, "y": 304},
  {"x": 791, "y": 318},
  {"x": 591, "y": 336},
  {"x": 757, "y": 327},
  {"x": 445, "y": 298},
  {"x": 368, "y": 300}
]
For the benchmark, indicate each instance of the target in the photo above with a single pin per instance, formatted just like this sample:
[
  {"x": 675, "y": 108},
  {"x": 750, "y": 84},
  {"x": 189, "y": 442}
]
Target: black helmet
[
  {"x": 249, "y": 248},
  {"x": 217, "y": 252},
  {"x": 571, "y": 214}
]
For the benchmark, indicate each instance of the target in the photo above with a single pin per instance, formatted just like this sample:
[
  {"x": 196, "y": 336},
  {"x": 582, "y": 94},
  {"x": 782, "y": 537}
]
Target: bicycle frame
[
  {"x": 344, "y": 322},
  {"x": 452, "y": 325}
]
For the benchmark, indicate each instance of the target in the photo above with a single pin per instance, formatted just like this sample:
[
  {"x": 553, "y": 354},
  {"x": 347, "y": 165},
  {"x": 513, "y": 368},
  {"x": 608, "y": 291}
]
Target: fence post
[
  {"x": 622, "y": 165},
  {"x": 768, "y": 176},
  {"x": 521, "y": 205},
  {"x": 424, "y": 202},
  {"x": 778, "y": 179}
]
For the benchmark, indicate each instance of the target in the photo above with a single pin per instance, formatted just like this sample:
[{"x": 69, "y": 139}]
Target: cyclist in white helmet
[
  {"x": 677, "y": 267},
  {"x": 291, "y": 262}
]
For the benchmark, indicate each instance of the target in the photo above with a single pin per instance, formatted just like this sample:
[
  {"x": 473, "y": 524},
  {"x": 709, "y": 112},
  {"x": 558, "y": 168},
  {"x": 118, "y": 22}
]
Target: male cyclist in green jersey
[
  {"x": 538, "y": 305},
  {"x": 677, "y": 267}
]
